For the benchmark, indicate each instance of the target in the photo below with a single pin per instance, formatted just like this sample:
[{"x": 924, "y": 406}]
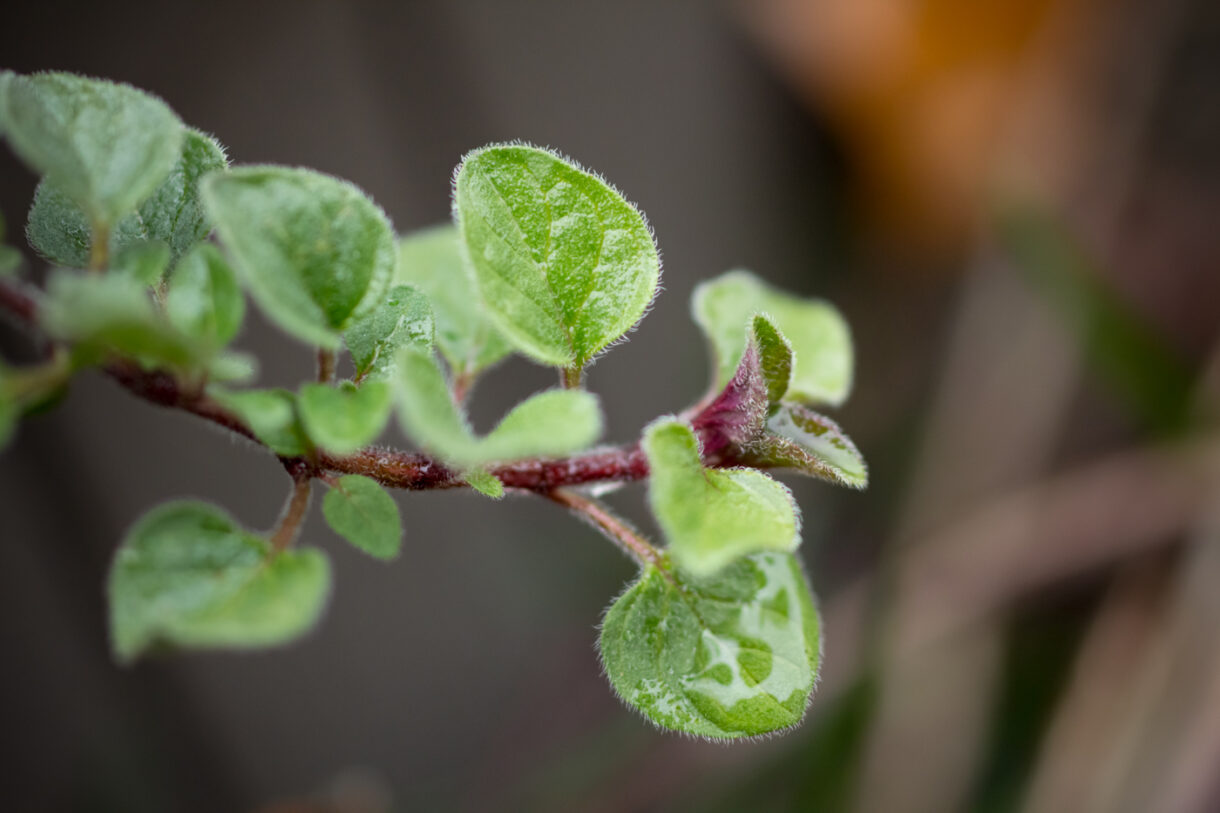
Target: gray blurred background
[{"x": 808, "y": 142}]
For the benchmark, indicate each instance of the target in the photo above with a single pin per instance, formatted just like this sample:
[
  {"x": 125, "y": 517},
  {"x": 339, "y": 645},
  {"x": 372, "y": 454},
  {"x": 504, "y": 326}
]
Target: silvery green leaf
[
  {"x": 107, "y": 146},
  {"x": 730, "y": 656},
  {"x": 315, "y": 252},
  {"x": 801, "y": 439},
  {"x": 564, "y": 264},
  {"x": 818, "y": 335},
  {"x": 187, "y": 575}
]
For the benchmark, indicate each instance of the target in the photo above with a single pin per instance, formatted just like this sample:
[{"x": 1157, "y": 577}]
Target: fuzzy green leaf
[
  {"x": 144, "y": 261},
  {"x": 188, "y": 575},
  {"x": 712, "y": 516},
  {"x": 203, "y": 298},
  {"x": 550, "y": 423},
  {"x": 801, "y": 439},
  {"x": 360, "y": 511},
  {"x": 272, "y": 416},
  {"x": 59, "y": 229},
  {"x": 344, "y": 418},
  {"x": 485, "y": 483},
  {"x": 403, "y": 318},
  {"x": 735, "y": 655},
  {"x": 432, "y": 260},
  {"x": 564, "y": 264},
  {"x": 106, "y": 146},
  {"x": 818, "y": 335},
  {"x": 112, "y": 313},
  {"x": 314, "y": 251}
]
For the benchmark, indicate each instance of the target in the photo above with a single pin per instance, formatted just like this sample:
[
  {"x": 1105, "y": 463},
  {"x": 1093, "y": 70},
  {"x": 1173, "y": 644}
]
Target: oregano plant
[{"x": 154, "y": 240}]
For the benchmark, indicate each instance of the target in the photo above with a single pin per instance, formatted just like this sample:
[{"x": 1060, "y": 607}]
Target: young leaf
[
  {"x": 203, "y": 298},
  {"x": 432, "y": 260},
  {"x": 713, "y": 516},
  {"x": 112, "y": 313},
  {"x": 106, "y": 146},
  {"x": 564, "y": 264},
  {"x": 188, "y": 575},
  {"x": 735, "y": 655},
  {"x": 485, "y": 483},
  {"x": 272, "y": 416},
  {"x": 314, "y": 251},
  {"x": 403, "y": 317},
  {"x": 550, "y": 423},
  {"x": 819, "y": 337},
  {"x": 60, "y": 231},
  {"x": 360, "y": 511},
  {"x": 144, "y": 262},
  {"x": 801, "y": 439},
  {"x": 344, "y": 418}
]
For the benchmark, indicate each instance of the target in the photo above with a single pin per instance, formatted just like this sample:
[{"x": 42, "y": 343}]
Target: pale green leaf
[
  {"x": 110, "y": 313},
  {"x": 344, "y": 418},
  {"x": 144, "y": 261},
  {"x": 713, "y": 516},
  {"x": 801, "y": 439},
  {"x": 60, "y": 231},
  {"x": 565, "y": 266},
  {"x": 203, "y": 298},
  {"x": 272, "y": 416},
  {"x": 360, "y": 511},
  {"x": 403, "y": 317},
  {"x": 550, "y": 423},
  {"x": 314, "y": 251},
  {"x": 468, "y": 341},
  {"x": 188, "y": 575},
  {"x": 107, "y": 146},
  {"x": 818, "y": 335},
  {"x": 735, "y": 655}
]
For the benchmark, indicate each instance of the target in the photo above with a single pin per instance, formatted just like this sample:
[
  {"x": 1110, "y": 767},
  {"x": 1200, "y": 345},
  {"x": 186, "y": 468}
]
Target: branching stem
[
  {"x": 289, "y": 525},
  {"x": 611, "y": 525}
]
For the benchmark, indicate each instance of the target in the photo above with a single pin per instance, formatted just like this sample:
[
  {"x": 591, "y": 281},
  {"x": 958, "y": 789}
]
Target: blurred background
[{"x": 1016, "y": 203}]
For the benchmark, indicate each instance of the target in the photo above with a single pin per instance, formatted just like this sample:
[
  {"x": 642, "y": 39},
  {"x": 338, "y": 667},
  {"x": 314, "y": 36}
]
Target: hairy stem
[
  {"x": 570, "y": 377},
  {"x": 293, "y": 515},
  {"x": 326, "y": 365},
  {"x": 611, "y": 525}
]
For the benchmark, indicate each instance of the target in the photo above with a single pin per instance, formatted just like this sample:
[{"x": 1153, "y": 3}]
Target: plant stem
[
  {"x": 611, "y": 525},
  {"x": 570, "y": 377},
  {"x": 326, "y": 365},
  {"x": 293, "y": 515},
  {"x": 99, "y": 248}
]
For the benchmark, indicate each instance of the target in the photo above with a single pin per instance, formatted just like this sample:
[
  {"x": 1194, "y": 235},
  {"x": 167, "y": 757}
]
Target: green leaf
[
  {"x": 107, "y": 146},
  {"x": 485, "y": 483},
  {"x": 314, "y": 251},
  {"x": 271, "y": 415},
  {"x": 112, "y": 313},
  {"x": 713, "y": 516},
  {"x": 550, "y": 423},
  {"x": 432, "y": 260},
  {"x": 403, "y": 318},
  {"x": 60, "y": 231},
  {"x": 344, "y": 418},
  {"x": 360, "y": 511},
  {"x": 188, "y": 575},
  {"x": 564, "y": 264},
  {"x": 203, "y": 298},
  {"x": 735, "y": 655},
  {"x": 818, "y": 335},
  {"x": 801, "y": 439},
  {"x": 144, "y": 262}
]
